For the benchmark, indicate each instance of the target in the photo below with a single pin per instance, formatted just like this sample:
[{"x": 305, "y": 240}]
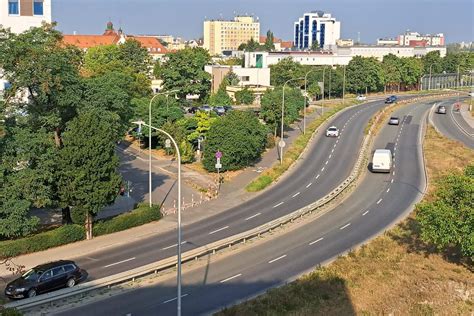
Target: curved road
[
  {"x": 452, "y": 125},
  {"x": 379, "y": 201}
]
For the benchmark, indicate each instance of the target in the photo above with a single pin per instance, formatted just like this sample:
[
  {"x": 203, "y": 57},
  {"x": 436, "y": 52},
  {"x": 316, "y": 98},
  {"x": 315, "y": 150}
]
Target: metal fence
[{"x": 446, "y": 81}]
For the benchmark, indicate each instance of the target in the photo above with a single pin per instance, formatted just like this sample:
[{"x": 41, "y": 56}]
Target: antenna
[{"x": 358, "y": 37}]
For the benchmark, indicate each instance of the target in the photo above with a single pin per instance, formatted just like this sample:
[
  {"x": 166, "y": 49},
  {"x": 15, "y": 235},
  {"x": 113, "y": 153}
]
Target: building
[
  {"x": 387, "y": 41},
  {"x": 416, "y": 39},
  {"x": 280, "y": 45},
  {"x": 316, "y": 26},
  {"x": 345, "y": 42},
  {"x": 21, "y": 15},
  {"x": 223, "y": 35},
  {"x": 256, "y": 77}
]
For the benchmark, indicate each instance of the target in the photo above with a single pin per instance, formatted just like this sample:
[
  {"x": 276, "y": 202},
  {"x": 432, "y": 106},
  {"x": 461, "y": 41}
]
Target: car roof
[
  {"x": 53, "y": 264},
  {"x": 382, "y": 151},
  {"x": 332, "y": 127}
]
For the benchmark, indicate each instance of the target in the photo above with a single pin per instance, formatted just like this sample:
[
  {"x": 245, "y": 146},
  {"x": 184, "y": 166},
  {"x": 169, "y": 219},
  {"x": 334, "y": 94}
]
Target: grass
[
  {"x": 395, "y": 273},
  {"x": 296, "y": 148}
]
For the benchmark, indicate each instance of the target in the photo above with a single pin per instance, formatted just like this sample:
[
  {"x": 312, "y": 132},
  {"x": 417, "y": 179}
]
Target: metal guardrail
[{"x": 212, "y": 248}]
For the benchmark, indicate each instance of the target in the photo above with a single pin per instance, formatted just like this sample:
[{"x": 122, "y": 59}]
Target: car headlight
[{"x": 21, "y": 289}]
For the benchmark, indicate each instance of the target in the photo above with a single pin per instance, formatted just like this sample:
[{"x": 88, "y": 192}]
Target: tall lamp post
[
  {"x": 429, "y": 82},
  {"x": 149, "y": 141},
  {"x": 282, "y": 142},
  {"x": 140, "y": 124}
]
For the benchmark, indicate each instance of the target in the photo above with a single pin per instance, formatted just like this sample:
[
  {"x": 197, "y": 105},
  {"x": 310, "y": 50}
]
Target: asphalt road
[
  {"x": 329, "y": 161},
  {"x": 452, "y": 125},
  {"x": 378, "y": 202}
]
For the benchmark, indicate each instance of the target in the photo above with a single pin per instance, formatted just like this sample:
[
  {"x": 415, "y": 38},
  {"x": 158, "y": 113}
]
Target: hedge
[{"x": 71, "y": 233}]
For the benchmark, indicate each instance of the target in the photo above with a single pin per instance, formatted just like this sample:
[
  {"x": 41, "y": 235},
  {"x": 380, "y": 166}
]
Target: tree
[
  {"x": 313, "y": 90},
  {"x": 364, "y": 73},
  {"x": 230, "y": 79},
  {"x": 392, "y": 68},
  {"x": 239, "y": 136},
  {"x": 133, "y": 55},
  {"x": 269, "y": 41},
  {"x": 411, "y": 70},
  {"x": 462, "y": 60},
  {"x": 88, "y": 164},
  {"x": 204, "y": 122},
  {"x": 284, "y": 70},
  {"x": 244, "y": 96},
  {"x": 315, "y": 46},
  {"x": 432, "y": 60},
  {"x": 220, "y": 98},
  {"x": 250, "y": 46},
  {"x": 448, "y": 220},
  {"x": 184, "y": 71}
]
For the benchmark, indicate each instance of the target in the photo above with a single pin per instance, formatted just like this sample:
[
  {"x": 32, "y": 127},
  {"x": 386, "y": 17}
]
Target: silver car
[
  {"x": 333, "y": 131},
  {"x": 394, "y": 121},
  {"x": 441, "y": 109}
]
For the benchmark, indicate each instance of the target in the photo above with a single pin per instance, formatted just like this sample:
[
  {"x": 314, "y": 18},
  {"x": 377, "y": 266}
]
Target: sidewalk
[
  {"x": 231, "y": 194},
  {"x": 466, "y": 115}
]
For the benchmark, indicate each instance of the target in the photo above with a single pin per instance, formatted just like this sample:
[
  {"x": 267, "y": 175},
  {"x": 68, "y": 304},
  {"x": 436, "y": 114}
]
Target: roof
[
  {"x": 153, "y": 45},
  {"x": 88, "y": 41},
  {"x": 283, "y": 44},
  {"x": 50, "y": 265}
]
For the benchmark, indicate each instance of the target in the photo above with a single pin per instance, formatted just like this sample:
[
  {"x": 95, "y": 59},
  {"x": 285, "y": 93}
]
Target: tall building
[
  {"x": 316, "y": 26},
  {"x": 222, "y": 35},
  {"x": 21, "y": 15}
]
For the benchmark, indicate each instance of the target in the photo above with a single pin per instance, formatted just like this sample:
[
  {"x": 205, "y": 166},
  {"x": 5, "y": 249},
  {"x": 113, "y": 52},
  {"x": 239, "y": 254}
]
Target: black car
[
  {"x": 45, "y": 278},
  {"x": 193, "y": 109},
  {"x": 391, "y": 99}
]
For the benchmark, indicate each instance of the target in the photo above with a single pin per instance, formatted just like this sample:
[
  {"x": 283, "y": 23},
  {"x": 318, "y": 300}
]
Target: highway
[
  {"x": 452, "y": 125},
  {"x": 329, "y": 161},
  {"x": 377, "y": 203}
]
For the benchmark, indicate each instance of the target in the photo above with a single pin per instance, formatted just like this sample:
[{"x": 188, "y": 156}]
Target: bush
[
  {"x": 10, "y": 312},
  {"x": 53, "y": 238},
  {"x": 142, "y": 215}
]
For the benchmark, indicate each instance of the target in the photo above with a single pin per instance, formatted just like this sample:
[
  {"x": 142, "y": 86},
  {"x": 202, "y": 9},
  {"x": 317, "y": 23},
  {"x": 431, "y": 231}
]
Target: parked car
[
  {"x": 382, "y": 160},
  {"x": 394, "y": 121},
  {"x": 332, "y": 131},
  {"x": 391, "y": 99},
  {"x": 471, "y": 94},
  {"x": 45, "y": 278},
  {"x": 228, "y": 108},
  {"x": 193, "y": 109},
  {"x": 441, "y": 109},
  {"x": 361, "y": 97},
  {"x": 205, "y": 108},
  {"x": 220, "y": 110}
]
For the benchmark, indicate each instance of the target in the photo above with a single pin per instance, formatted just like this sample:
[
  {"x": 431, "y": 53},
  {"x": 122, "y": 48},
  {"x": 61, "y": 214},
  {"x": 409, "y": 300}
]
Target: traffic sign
[
  {"x": 218, "y": 165},
  {"x": 218, "y": 154},
  {"x": 281, "y": 143}
]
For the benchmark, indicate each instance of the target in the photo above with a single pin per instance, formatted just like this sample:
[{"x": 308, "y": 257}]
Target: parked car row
[{"x": 219, "y": 110}]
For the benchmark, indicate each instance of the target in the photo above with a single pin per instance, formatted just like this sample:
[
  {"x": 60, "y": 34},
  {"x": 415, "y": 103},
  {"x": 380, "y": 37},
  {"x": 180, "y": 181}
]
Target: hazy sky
[{"x": 372, "y": 18}]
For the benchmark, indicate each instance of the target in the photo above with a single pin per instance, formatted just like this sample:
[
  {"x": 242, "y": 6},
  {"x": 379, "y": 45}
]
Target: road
[
  {"x": 378, "y": 202},
  {"x": 452, "y": 125}
]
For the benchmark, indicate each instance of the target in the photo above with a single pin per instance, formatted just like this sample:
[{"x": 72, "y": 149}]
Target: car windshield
[
  {"x": 32, "y": 274},
  {"x": 394, "y": 118},
  {"x": 333, "y": 129}
]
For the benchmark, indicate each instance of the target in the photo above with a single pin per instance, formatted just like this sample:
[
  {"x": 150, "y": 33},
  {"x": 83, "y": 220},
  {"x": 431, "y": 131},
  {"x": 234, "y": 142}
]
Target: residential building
[
  {"x": 247, "y": 76},
  {"x": 224, "y": 35},
  {"x": 417, "y": 39},
  {"x": 345, "y": 42},
  {"x": 280, "y": 45},
  {"x": 21, "y": 15},
  {"x": 316, "y": 26}
]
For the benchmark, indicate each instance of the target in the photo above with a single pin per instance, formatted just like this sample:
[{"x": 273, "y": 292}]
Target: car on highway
[
  {"x": 471, "y": 94},
  {"x": 382, "y": 160},
  {"x": 441, "y": 109},
  {"x": 361, "y": 97},
  {"x": 45, "y": 278},
  {"x": 220, "y": 110},
  {"x": 394, "y": 121},
  {"x": 332, "y": 131},
  {"x": 205, "y": 108},
  {"x": 391, "y": 99}
]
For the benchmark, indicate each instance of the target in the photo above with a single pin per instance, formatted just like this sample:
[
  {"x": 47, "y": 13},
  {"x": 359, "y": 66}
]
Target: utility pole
[{"x": 343, "y": 83}]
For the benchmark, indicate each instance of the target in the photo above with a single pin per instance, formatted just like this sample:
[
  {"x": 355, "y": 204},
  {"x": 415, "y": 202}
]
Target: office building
[
  {"x": 316, "y": 26},
  {"x": 21, "y": 15},
  {"x": 224, "y": 35}
]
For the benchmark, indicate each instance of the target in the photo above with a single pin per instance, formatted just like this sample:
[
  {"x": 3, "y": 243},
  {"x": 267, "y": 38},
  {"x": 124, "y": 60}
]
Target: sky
[{"x": 184, "y": 18}]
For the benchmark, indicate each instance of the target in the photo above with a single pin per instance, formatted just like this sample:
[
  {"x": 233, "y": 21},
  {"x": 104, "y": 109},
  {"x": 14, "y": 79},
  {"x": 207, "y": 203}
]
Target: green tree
[
  {"x": 364, "y": 73},
  {"x": 244, "y": 96},
  {"x": 284, "y": 70},
  {"x": 433, "y": 60},
  {"x": 88, "y": 164},
  {"x": 313, "y": 90},
  {"x": 204, "y": 122},
  {"x": 315, "y": 46},
  {"x": 392, "y": 68},
  {"x": 250, "y": 46},
  {"x": 133, "y": 55},
  {"x": 448, "y": 220},
  {"x": 463, "y": 61},
  {"x": 220, "y": 98},
  {"x": 269, "y": 42},
  {"x": 239, "y": 136},
  {"x": 184, "y": 71},
  {"x": 230, "y": 79},
  {"x": 411, "y": 70}
]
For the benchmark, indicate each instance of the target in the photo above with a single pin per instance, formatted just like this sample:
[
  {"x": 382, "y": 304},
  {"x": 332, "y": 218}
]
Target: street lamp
[
  {"x": 282, "y": 142},
  {"x": 149, "y": 140},
  {"x": 429, "y": 82},
  {"x": 140, "y": 124},
  {"x": 305, "y": 93}
]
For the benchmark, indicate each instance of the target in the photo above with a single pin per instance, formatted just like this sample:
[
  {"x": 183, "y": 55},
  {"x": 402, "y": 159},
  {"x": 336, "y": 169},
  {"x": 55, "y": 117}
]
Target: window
[
  {"x": 38, "y": 7},
  {"x": 46, "y": 276},
  {"x": 13, "y": 7},
  {"x": 245, "y": 78},
  {"x": 69, "y": 267},
  {"x": 58, "y": 270}
]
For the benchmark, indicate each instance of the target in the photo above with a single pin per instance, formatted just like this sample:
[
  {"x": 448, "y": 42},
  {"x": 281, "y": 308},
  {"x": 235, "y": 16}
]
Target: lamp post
[
  {"x": 305, "y": 93},
  {"x": 282, "y": 142},
  {"x": 140, "y": 124},
  {"x": 343, "y": 83},
  {"x": 429, "y": 82},
  {"x": 149, "y": 141}
]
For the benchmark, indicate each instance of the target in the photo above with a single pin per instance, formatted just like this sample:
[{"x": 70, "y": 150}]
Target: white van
[{"x": 382, "y": 160}]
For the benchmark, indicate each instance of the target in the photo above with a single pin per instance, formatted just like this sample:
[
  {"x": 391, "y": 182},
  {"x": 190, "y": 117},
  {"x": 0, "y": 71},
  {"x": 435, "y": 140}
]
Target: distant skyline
[{"x": 184, "y": 18}]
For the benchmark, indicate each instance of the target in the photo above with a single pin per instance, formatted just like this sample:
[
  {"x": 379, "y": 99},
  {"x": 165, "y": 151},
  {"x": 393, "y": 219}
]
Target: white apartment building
[
  {"x": 417, "y": 39},
  {"x": 316, "y": 26},
  {"x": 387, "y": 41},
  {"x": 223, "y": 35},
  {"x": 21, "y": 15}
]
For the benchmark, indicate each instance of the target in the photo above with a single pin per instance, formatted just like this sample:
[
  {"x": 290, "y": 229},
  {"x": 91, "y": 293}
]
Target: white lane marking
[
  {"x": 322, "y": 169},
  {"x": 278, "y": 204},
  {"x": 253, "y": 216},
  {"x": 326, "y": 162},
  {"x": 172, "y": 246},
  {"x": 173, "y": 299},
  {"x": 310, "y": 184},
  {"x": 345, "y": 226},
  {"x": 218, "y": 230},
  {"x": 393, "y": 173},
  {"x": 123, "y": 261},
  {"x": 332, "y": 150},
  {"x": 296, "y": 194},
  {"x": 276, "y": 259},
  {"x": 395, "y": 148},
  {"x": 230, "y": 278},
  {"x": 318, "y": 175},
  {"x": 317, "y": 240},
  {"x": 365, "y": 213},
  {"x": 391, "y": 181},
  {"x": 330, "y": 156},
  {"x": 388, "y": 190},
  {"x": 378, "y": 202},
  {"x": 337, "y": 141}
]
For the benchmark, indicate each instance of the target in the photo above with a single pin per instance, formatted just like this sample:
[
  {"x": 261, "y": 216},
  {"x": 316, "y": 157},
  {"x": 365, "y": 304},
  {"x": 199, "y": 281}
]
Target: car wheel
[
  {"x": 71, "y": 282},
  {"x": 31, "y": 293}
]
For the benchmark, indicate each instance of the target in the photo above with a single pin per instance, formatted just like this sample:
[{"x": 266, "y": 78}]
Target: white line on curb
[
  {"x": 218, "y": 230},
  {"x": 276, "y": 259},
  {"x": 232, "y": 277},
  {"x": 123, "y": 261}
]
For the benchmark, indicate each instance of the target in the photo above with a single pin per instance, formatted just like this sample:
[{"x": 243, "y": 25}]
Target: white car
[
  {"x": 361, "y": 97},
  {"x": 471, "y": 94},
  {"x": 333, "y": 131}
]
